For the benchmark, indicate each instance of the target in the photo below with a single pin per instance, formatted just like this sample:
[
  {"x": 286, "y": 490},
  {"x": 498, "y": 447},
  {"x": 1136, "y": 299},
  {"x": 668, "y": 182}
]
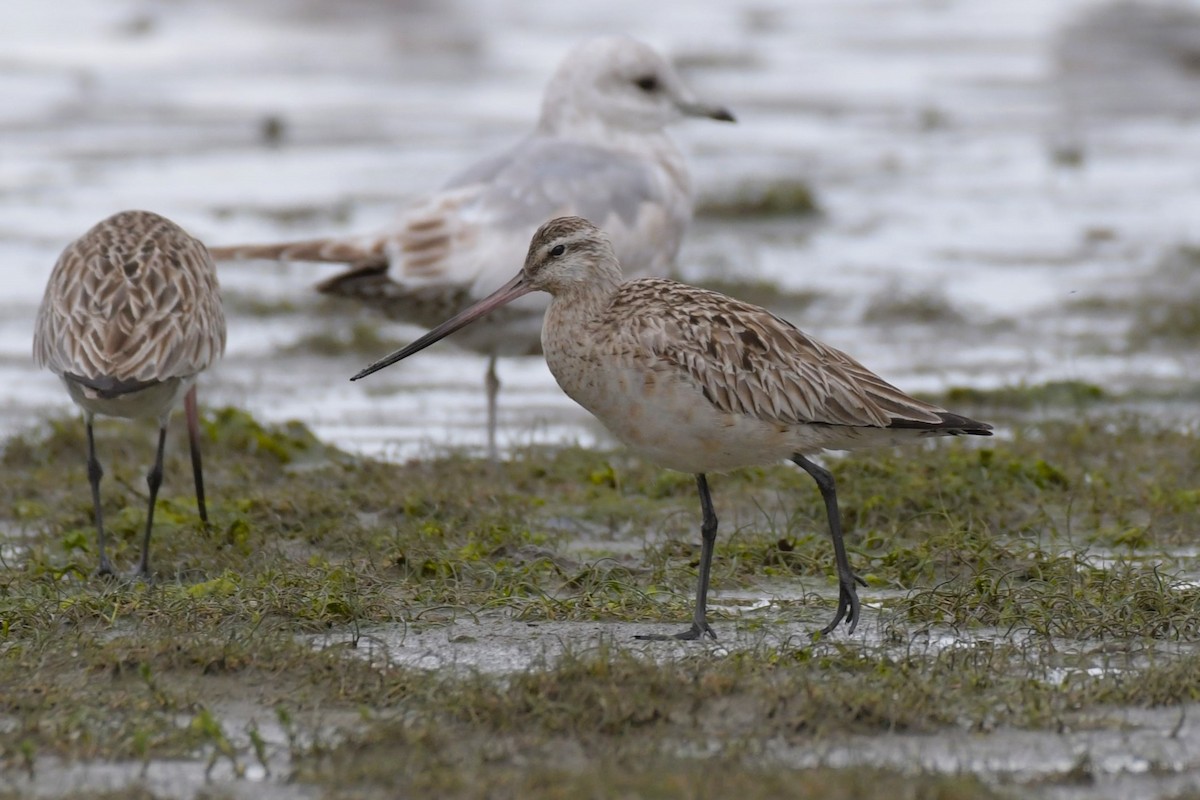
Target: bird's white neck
[{"x": 564, "y": 121}]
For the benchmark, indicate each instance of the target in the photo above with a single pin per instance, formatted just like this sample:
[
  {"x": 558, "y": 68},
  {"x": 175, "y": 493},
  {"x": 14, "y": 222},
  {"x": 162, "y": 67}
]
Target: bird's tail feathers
[
  {"x": 417, "y": 302},
  {"x": 950, "y": 425},
  {"x": 362, "y": 251}
]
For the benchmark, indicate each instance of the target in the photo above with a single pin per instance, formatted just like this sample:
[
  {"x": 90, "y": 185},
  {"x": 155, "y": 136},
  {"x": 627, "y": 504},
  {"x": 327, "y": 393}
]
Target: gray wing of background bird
[
  {"x": 482, "y": 220},
  {"x": 530, "y": 183},
  {"x": 471, "y": 236}
]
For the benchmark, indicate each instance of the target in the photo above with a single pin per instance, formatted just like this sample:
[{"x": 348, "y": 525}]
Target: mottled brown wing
[
  {"x": 746, "y": 360},
  {"x": 134, "y": 299}
]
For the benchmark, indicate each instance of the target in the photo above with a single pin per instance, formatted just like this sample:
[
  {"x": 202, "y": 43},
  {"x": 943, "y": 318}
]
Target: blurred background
[{"x": 964, "y": 194}]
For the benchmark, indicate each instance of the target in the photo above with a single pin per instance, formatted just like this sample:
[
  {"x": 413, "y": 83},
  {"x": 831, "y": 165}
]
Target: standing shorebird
[
  {"x": 599, "y": 150},
  {"x": 132, "y": 314},
  {"x": 699, "y": 382}
]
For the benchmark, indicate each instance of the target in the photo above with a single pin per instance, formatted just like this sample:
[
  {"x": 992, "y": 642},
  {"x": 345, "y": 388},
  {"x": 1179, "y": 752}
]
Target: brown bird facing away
[
  {"x": 699, "y": 382},
  {"x": 599, "y": 150},
  {"x": 131, "y": 315}
]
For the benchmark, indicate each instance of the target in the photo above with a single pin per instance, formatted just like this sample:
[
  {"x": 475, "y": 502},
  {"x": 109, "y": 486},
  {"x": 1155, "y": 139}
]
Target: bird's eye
[
  {"x": 558, "y": 250},
  {"x": 647, "y": 83}
]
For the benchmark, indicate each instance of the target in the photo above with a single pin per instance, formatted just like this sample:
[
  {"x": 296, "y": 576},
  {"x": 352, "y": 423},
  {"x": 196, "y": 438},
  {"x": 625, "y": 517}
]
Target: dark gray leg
[
  {"x": 492, "y": 384},
  {"x": 95, "y": 473},
  {"x": 848, "y": 605},
  {"x": 708, "y": 534},
  {"x": 153, "y": 481},
  {"x": 193, "y": 425}
]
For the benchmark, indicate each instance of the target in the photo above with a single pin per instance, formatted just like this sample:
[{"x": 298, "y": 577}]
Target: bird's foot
[
  {"x": 849, "y": 607},
  {"x": 697, "y": 631},
  {"x": 142, "y": 573},
  {"x": 105, "y": 570}
]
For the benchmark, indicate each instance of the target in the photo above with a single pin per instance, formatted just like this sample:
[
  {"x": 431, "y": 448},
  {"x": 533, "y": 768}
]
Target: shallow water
[
  {"x": 927, "y": 129},
  {"x": 455, "y": 639},
  {"x": 949, "y": 159},
  {"x": 1109, "y": 753}
]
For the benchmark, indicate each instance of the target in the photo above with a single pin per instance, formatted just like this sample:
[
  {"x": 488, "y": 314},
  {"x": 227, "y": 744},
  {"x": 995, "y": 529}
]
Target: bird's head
[
  {"x": 616, "y": 83},
  {"x": 566, "y": 255},
  {"x": 568, "y": 252}
]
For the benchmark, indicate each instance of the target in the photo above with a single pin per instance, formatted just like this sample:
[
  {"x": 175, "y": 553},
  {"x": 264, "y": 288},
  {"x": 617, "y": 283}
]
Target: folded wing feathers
[
  {"x": 133, "y": 305},
  {"x": 746, "y": 360}
]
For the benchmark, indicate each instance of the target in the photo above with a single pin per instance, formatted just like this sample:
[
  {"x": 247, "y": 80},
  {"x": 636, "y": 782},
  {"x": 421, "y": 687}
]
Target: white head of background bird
[{"x": 618, "y": 84}]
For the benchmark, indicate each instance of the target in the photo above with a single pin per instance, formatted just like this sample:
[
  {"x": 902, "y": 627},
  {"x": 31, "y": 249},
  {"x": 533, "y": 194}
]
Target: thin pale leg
[
  {"x": 848, "y": 605},
  {"x": 95, "y": 473},
  {"x": 492, "y": 384},
  {"x": 193, "y": 426},
  {"x": 153, "y": 481},
  {"x": 708, "y": 538}
]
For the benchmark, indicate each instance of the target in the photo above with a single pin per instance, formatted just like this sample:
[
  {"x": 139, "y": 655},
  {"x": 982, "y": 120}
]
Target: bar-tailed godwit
[
  {"x": 700, "y": 382},
  {"x": 599, "y": 150},
  {"x": 131, "y": 315}
]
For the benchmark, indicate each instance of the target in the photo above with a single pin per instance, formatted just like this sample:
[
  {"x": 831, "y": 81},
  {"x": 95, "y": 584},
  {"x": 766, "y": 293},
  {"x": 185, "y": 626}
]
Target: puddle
[
  {"x": 1107, "y": 752},
  {"x": 161, "y": 778},
  {"x": 244, "y": 776},
  {"x": 496, "y": 644},
  {"x": 12, "y": 542},
  {"x": 1132, "y": 754}
]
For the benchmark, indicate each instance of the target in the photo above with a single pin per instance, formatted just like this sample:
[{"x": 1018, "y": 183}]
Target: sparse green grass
[
  {"x": 489, "y": 773},
  {"x": 252, "y": 305},
  {"x": 1166, "y": 315},
  {"x": 1173, "y": 320},
  {"x": 361, "y": 338},
  {"x": 790, "y": 196},
  {"x": 894, "y": 307},
  {"x": 1068, "y": 394},
  {"x": 1162, "y": 310},
  {"x": 1036, "y": 549},
  {"x": 767, "y": 294}
]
